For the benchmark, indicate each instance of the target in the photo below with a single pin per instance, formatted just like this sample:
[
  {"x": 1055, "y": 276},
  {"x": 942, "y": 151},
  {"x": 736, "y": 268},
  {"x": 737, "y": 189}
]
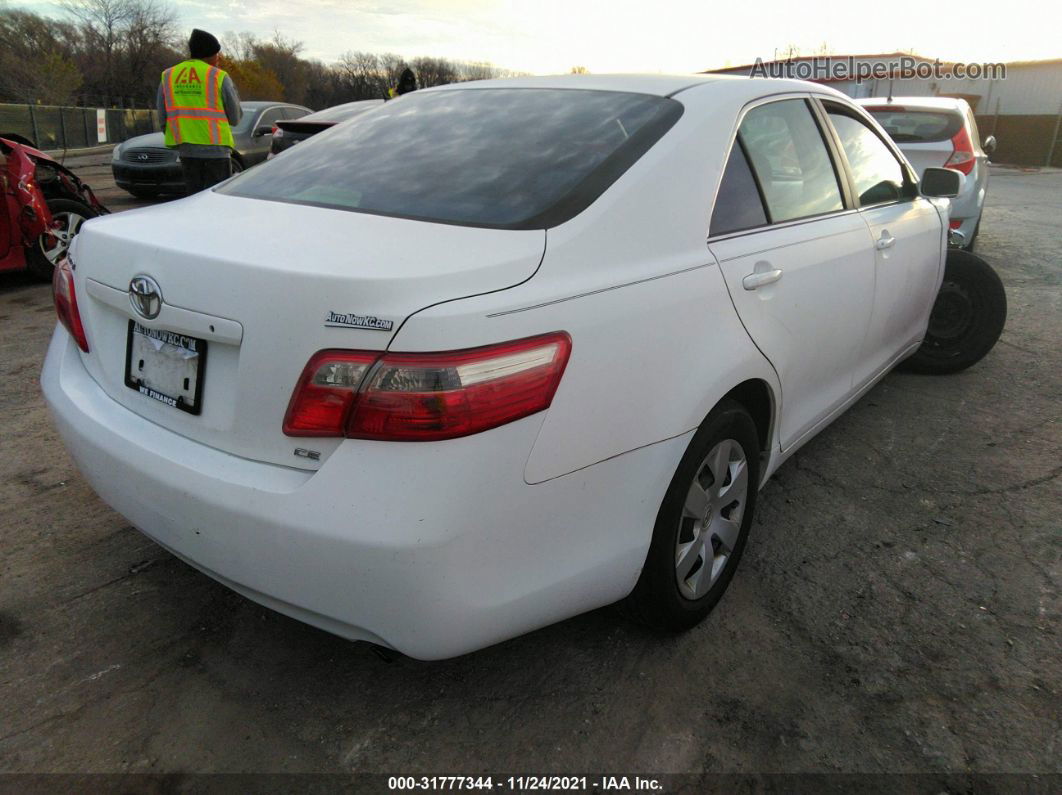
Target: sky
[{"x": 550, "y": 36}]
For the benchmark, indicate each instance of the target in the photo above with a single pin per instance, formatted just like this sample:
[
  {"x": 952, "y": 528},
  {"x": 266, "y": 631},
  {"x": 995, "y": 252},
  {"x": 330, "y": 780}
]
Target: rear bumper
[
  {"x": 966, "y": 207},
  {"x": 433, "y": 549}
]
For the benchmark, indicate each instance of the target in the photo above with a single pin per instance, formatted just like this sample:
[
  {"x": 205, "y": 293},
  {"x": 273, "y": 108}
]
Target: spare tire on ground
[{"x": 967, "y": 318}]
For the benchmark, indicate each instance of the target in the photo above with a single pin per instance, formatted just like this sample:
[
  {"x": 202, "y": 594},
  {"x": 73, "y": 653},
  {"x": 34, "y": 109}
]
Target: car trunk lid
[
  {"x": 265, "y": 285},
  {"x": 933, "y": 154}
]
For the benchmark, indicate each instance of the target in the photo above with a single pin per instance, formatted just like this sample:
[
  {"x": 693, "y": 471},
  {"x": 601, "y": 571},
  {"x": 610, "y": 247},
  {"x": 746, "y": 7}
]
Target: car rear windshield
[
  {"x": 515, "y": 158},
  {"x": 917, "y": 126}
]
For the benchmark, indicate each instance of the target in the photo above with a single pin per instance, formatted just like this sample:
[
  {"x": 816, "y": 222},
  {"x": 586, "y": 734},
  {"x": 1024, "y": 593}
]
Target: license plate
[{"x": 166, "y": 366}]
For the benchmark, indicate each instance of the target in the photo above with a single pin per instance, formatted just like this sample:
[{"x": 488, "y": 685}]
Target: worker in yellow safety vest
[{"x": 198, "y": 106}]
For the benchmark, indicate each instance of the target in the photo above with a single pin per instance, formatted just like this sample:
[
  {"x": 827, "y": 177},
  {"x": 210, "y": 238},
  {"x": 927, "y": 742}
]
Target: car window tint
[
  {"x": 509, "y": 158},
  {"x": 738, "y": 205},
  {"x": 790, "y": 160},
  {"x": 907, "y": 126},
  {"x": 270, "y": 117},
  {"x": 295, "y": 113},
  {"x": 877, "y": 173}
]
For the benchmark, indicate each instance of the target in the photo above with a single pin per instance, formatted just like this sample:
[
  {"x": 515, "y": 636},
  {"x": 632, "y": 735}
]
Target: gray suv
[{"x": 146, "y": 168}]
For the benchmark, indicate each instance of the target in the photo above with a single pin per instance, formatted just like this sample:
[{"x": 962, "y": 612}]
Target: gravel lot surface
[{"x": 897, "y": 609}]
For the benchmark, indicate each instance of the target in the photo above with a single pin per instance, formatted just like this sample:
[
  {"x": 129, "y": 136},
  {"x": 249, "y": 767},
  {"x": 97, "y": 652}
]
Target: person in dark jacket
[{"x": 407, "y": 82}]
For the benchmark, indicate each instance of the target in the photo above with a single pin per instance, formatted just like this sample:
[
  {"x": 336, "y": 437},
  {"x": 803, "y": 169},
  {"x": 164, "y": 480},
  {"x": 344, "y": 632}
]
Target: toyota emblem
[
  {"x": 145, "y": 296},
  {"x": 142, "y": 156}
]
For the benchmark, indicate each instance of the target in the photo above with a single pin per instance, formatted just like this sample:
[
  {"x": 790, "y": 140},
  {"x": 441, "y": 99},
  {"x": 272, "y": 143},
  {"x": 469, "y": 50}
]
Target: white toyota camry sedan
[{"x": 499, "y": 353}]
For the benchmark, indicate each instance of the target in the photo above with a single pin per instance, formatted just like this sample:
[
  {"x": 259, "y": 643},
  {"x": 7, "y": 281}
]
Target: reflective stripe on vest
[{"x": 191, "y": 91}]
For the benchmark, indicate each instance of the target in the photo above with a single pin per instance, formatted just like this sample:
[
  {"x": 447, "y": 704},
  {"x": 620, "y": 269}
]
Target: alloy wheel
[{"x": 66, "y": 226}]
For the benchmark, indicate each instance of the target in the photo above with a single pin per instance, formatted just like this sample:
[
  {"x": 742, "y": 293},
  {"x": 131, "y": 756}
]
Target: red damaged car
[{"x": 44, "y": 205}]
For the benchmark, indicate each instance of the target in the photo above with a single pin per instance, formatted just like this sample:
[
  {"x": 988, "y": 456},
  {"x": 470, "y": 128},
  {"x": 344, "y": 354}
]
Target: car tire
[
  {"x": 144, "y": 193},
  {"x": 702, "y": 525},
  {"x": 40, "y": 258},
  {"x": 967, "y": 318},
  {"x": 237, "y": 166}
]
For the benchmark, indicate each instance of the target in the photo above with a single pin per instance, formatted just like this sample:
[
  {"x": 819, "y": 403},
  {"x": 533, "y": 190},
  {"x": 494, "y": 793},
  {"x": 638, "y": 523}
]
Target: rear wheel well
[{"x": 755, "y": 396}]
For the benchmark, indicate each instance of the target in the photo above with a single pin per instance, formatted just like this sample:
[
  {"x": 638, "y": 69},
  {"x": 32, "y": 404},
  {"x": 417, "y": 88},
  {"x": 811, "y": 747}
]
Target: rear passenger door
[
  {"x": 796, "y": 258},
  {"x": 908, "y": 238}
]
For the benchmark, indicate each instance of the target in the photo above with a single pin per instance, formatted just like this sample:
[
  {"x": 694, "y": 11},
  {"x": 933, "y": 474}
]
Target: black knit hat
[
  {"x": 406, "y": 82},
  {"x": 202, "y": 44}
]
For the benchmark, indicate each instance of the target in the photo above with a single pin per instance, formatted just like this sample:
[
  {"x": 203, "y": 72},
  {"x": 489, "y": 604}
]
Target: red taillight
[
  {"x": 426, "y": 396},
  {"x": 326, "y": 391},
  {"x": 274, "y": 130},
  {"x": 962, "y": 158},
  {"x": 954, "y": 223},
  {"x": 66, "y": 302}
]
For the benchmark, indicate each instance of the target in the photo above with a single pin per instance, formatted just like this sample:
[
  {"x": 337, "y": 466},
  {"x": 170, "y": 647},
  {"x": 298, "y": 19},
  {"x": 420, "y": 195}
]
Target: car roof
[
  {"x": 657, "y": 84},
  {"x": 929, "y": 103},
  {"x": 257, "y": 104}
]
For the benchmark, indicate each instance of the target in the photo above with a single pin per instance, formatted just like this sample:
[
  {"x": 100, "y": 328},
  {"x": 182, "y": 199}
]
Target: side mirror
[
  {"x": 989, "y": 145},
  {"x": 265, "y": 129},
  {"x": 942, "y": 183}
]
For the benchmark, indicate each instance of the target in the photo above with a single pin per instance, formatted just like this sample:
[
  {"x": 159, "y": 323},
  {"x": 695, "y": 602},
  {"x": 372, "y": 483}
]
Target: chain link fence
[{"x": 54, "y": 127}]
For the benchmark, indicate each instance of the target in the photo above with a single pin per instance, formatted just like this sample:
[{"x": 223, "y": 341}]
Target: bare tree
[
  {"x": 281, "y": 57},
  {"x": 361, "y": 76},
  {"x": 123, "y": 45},
  {"x": 434, "y": 71},
  {"x": 391, "y": 68},
  {"x": 37, "y": 58},
  {"x": 478, "y": 70},
  {"x": 114, "y": 51},
  {"x": 150, "y": 31},
  {"x": 239, "y": 46},
  {"x": 102, "y": 23}
]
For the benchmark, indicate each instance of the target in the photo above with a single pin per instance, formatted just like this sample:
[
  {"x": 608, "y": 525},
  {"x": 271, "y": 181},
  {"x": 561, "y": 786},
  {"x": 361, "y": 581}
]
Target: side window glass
[
  {"x": 738, "y": 205},
  {"x": 790, "y": 160},
  {"x": 270, "y": 117},
  {"x": 877, "y": 173},
  {"x": 295, "y": 113}
]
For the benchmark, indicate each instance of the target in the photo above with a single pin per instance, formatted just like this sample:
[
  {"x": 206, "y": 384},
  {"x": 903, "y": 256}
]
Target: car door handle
[
  {"x": 756, "y": 280},
  {"x": 885, "y": 241}
]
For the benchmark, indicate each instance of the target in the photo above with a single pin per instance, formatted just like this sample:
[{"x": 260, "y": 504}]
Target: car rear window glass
[
  {"x": 790, "y": 159},
  {"x": 906, "y": 126},
  {"x": 506, "y": 158},
  {"x": 738, "y": 205}
]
